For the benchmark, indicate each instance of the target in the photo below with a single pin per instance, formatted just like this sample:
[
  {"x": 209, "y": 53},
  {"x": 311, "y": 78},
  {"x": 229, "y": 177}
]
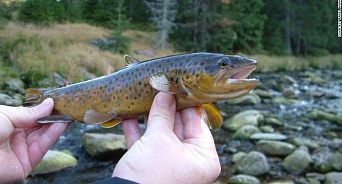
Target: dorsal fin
[{"x": 131, "y": 61}]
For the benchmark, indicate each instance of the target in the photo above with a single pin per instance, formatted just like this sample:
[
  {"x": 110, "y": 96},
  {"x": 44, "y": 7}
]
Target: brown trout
[{"x": 195, "y": 79}]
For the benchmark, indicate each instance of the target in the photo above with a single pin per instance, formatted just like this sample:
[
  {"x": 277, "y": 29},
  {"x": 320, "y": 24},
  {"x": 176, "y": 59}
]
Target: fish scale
[{"x": 195, "y": 79}]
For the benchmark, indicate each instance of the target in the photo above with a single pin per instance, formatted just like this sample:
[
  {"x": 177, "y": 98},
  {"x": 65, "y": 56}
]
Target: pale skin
[{"x": 177, "y": 147}]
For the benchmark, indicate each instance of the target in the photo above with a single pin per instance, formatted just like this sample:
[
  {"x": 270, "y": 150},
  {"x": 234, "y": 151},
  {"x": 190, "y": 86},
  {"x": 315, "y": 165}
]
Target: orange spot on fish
[
  {"x": 94, "y": 92},
  {"x": 114, "y": 97},
  {"x": 147, "y": 77},
  {"x": 139, "y": 94},
  {"x": 127, "y": 97},
  {"x": 119, "y": 84}
]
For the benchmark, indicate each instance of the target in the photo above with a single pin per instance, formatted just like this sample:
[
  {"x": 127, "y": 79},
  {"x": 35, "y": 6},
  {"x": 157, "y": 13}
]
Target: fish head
[{"x": 219, "y": 76}]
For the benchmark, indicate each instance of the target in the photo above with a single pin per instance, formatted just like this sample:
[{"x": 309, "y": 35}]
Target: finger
[
  {"x": 23, "y": 117},
  {"x": 195, "y": 129},
  {"x": 131, "y": 131},
  {"x": 162, "y": 114},
  {"x": 179, "y": 126},
  {"x": 41, "y": 140}
]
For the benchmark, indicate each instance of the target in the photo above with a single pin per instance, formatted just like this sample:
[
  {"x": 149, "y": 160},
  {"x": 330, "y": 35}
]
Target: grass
[{"x": 64, "y": 48}]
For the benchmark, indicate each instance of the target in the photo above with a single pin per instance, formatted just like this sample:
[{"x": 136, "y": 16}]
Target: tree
[
  {"x": 163, "y": 14},
  {"x": 248, "y": 24}
]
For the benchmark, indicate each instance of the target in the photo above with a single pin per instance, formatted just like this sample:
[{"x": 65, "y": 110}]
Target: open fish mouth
[{"x": 236, "y": 75}]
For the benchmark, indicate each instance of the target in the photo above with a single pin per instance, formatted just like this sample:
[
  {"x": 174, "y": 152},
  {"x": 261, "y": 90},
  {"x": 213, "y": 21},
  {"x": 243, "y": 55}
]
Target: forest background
[{"x": 281, "y": 35}]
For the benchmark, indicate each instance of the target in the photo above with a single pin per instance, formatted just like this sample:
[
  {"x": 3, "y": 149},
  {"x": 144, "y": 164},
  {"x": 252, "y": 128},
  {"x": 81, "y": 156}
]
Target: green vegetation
[{"x": 37, "y": 36}]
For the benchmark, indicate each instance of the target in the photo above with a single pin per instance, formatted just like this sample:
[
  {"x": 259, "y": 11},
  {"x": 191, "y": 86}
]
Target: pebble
[
  {"x": 254, "y": 163},
  {"x": 297, "y": 161},
  {"x": 248, "y": 117},
  {"x": 243, "y": 179},
  {"x": 274, "y": 148},
  {"x": 268, "y": 136}
]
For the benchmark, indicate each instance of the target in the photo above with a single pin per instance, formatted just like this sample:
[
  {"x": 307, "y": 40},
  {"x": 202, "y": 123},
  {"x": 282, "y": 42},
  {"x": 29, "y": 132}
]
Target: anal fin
[{"x": 111, "y": 123}]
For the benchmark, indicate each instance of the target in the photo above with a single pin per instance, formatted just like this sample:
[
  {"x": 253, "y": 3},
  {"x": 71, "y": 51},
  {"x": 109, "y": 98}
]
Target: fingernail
[
  {"x": 164, "y": 100},
  {"x": 46, "y": 102}
]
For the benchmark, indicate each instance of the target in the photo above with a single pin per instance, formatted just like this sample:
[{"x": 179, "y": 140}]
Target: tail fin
[{"x": 34, "y": 96}]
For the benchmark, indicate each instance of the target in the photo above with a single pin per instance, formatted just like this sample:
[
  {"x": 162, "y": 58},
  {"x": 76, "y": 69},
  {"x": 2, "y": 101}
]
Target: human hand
[
  {"x": 23, "y": 142},
  {"x": 177, "y": 147}
]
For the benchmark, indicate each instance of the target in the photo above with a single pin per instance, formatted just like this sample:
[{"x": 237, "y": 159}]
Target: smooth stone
[
  {"x": 243, "y": 179},
  {"x": 304, "y": 142},
  {"x": 273, "y": 121},
  {"x": 267, "y": 129},
  {"x": 288, "y": 79},
  {"x": 246, "y": 131},
  {"x": 248, "y": 117},
  {"x": 237, "y": 156},
  {"x": 101, "y": 145},
  {"x": 253, "y": 163},
  {"x": 337, "y": 74},
  {"x": 268, "y": 136},
  {"x": 333, "y": 178},
  {"x": 289, "y": 93},
  {"x": 281, "y": 182},
  {"x": 322, "y": 115},
  {"x": 285, "y": 101},
  {"x": 336, "y": 161},
  {"x": 274, "y": 148},
  {"x": 249, "y": 99},
  {"x": 297, "y": 161},
  {"x": 262, "y": 93},
  {"x": 54, "y": 161}
]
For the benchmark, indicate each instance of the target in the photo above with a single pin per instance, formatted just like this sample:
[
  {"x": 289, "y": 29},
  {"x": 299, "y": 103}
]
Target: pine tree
[
  {"x": 163, "y": 14},
  {"x": 248, "y": 24}
]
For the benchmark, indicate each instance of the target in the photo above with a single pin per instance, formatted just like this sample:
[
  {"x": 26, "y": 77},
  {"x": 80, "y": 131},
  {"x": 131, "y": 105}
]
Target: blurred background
[{"x": 43, "y": 43}]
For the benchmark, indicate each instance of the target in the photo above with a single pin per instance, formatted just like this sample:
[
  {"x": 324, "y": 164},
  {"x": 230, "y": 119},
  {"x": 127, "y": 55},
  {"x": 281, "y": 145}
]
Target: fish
[{"x": 195, "y": 79}]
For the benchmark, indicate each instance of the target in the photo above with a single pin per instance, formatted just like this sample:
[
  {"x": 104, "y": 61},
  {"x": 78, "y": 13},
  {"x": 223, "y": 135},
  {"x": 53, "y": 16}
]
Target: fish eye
[{"x": 223, "y": 63}]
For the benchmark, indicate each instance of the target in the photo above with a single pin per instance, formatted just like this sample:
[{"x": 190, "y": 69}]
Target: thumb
[
  {"x": 24, "y": 117},
  {"x": 162, "y": 114}
]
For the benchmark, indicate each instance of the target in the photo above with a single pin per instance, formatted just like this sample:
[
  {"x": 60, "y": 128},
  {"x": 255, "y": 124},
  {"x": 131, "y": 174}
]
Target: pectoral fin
[
  {"x": 55, "y": 119},
  {"x": 94, "y": 117},
  {"x": 211, "y": 116},
  {"x": 162, "y": 82}
]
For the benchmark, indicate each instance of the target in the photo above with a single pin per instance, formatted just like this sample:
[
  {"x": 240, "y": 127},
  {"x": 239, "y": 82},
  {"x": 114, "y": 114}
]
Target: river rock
[
  {"x": 273, "y": 121},
  {"x": 101, "y": 145},
  {"x": 248, "y": 117},
  {"x": 249, "y": 99},
  {"x": 268, "y": 136},
  {"x": 262, "y": 93},
  {"x": 243, "y": 179},
  {"x": 266, "y": 128},
  {"x": 333, "y": 178},
  {"x": 286, "y": 181},
  {"x": 274, "y": 148},
  {"x": 54, "y": 161},
  {"x": 254, "y": 163},
  {"x": 246, "y": 131},
  {"x": 317, "y": 114},
  {"x": 287, "y": 79},
  {"x": 337, "y": 74},
  {"x": 289, "y": 93},
  {"x": 297, "y": 161},
  {"x": 304, "y": 142},
  {"x": 10, "y": 101},
  {"x": 336, "y": 161},
  {"x": 285, "y": 101},
  {"x": 237, "y": 156}
]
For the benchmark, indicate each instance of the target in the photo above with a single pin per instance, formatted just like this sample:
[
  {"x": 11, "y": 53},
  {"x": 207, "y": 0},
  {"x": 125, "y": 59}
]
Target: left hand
[{"x": 23, "y": 142}]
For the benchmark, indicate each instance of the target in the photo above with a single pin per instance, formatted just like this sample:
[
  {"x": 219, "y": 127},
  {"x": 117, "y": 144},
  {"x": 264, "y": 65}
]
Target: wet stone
[
  {"x": 249, "y": 99},
  {"x": 267, "y": 129},
  {"x": 262, "y": 93},
  {"x": 273, "y": 121},
  {"x": 304, "y": 142},
  {"x": 237, "y": 156},
  {"x": 268, "y": 136},
  {"x": 297, "y": 161},
  {"x": 102, "y": 145},
  {"x": 54, "y": 161},
  {"x": 243, "y": 179},
  {"x": 317, "y": 114},
  {"x": 254, "y": 163},
  {"x": 333, "y": 178},
  {"x": 246, "y": 131},
  {"x": 10, "y": 101},
  {"x": 248, "y": 117},
  {"x": 289, "y": 93},
  {"x": 288, "y": 79},
  {"x": 286, "y": 181},
  {"x": 274, "y": 148}
]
